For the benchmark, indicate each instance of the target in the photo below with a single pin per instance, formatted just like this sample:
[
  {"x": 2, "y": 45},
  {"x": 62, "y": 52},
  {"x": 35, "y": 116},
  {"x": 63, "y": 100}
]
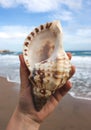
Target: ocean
[{"x": 9, "y": 68}]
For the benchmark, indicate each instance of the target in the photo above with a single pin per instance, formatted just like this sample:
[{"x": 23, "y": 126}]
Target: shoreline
[{"x": 70, "y": 114}]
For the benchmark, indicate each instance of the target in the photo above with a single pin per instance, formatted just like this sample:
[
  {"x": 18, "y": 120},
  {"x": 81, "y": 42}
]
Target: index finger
[
  {"x": 61, "y": 92},
  {"x": 69, "y": 55}
]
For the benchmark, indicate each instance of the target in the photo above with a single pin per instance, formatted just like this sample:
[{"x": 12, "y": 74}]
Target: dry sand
[{"x": 71, "y": 113}]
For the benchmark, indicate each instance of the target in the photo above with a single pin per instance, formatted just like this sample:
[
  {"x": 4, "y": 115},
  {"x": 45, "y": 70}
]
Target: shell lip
[{"x": 31, "y": 36}]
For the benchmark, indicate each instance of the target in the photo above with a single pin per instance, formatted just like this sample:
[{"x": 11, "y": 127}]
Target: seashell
[{"x": 46, "y": 60}]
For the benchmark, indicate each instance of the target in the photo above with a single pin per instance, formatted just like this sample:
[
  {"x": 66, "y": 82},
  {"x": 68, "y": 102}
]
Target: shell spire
[{"x": 46, "y": 60}]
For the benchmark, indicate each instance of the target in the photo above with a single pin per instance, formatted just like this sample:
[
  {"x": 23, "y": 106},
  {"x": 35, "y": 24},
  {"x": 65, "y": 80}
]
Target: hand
[
  {"x": 26, "y": 103},
  {"x": 25, "y": 116}
]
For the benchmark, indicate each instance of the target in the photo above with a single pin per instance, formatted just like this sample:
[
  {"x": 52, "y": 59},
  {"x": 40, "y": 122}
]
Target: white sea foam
[
  {"x": 79, "y": 97},
  {"x": 82, "y": 78},
  {"x": 9, "y": 67}
]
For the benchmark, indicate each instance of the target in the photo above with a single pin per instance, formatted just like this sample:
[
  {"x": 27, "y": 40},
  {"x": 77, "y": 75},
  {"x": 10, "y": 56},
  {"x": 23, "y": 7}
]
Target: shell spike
[{"x": 56, "y": 26}]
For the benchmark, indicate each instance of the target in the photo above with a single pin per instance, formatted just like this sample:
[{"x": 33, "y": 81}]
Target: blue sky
[{"x": 19, "y": 17}]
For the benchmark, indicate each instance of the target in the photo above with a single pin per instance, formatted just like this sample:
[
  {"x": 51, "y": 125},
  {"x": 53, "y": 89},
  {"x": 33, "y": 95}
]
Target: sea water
[{"x": 9, "y": 68}]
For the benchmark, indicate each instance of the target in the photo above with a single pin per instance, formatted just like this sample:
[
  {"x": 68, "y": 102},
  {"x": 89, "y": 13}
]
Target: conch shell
[{"x": 46, "y": 60}]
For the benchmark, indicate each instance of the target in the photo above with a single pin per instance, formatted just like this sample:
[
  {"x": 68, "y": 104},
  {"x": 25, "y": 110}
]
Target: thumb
[{"x": 24, "y": 73}]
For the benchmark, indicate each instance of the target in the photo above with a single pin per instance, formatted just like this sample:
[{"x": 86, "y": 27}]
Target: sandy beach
[{"x": 71, "y": 113}]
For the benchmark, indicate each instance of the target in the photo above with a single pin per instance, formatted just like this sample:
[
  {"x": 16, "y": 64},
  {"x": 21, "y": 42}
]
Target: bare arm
[{"x": 25, "y": 117}]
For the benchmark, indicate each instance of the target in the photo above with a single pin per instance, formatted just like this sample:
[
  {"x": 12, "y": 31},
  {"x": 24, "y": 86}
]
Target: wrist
[
  {"x": 21, "y": 121},
  {"x": 26, "y": 119}
]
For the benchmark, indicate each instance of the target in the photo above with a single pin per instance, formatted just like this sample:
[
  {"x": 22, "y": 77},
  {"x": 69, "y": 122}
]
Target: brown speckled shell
[{"x": 46, "y": 60}]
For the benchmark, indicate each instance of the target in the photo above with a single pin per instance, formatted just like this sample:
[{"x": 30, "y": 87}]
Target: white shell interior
[{"x": 40, "y": 47}]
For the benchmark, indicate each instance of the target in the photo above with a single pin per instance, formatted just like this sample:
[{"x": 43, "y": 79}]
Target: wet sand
[
  {"x": 71, "y": 113},
  {"x": 8, "y": 101}
]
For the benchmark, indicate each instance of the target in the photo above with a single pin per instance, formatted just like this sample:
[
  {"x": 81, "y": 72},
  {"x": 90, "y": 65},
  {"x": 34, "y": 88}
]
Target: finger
[
  {"x": 65, "y": 88},
  {"x": 73, "y": 69},
  {"x": 54, "y": 99},
  {"x": 50, "y": 105},
  {"x": 62, "y": 91},
  {"x": 69, "y": 55},
  {"x": 24, "y": 73}
]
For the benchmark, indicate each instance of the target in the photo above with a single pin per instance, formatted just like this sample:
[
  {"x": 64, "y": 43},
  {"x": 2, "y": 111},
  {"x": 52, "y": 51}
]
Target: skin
[{"x": 25, "y": 117}]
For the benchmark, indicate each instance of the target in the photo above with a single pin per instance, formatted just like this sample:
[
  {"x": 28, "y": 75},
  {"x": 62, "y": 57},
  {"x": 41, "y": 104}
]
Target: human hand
[
  {"x": 25, "y": 116},
  {"x": 26, "y": 105}
]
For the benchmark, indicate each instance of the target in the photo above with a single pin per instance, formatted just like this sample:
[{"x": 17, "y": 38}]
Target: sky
[{"x": 19, "y": 17}]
